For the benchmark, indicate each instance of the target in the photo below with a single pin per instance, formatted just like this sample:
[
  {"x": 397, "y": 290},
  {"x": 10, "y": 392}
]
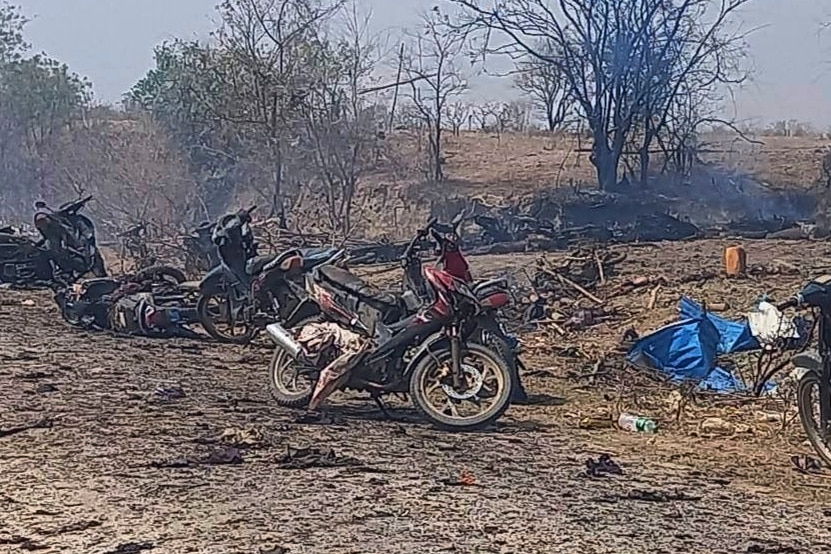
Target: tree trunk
[
  {"x": 606, "y": 163},
  {"x": 644, "y": 161},
  {"x": 438, "y": 175},
  {"x": 549, "y": 114}
]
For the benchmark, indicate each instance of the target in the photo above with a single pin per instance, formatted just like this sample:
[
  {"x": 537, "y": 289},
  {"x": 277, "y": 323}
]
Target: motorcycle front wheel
[
  {"x": 215, "y": 315},
  {"x": 807, "y": 394},
  {"x": 484, "y": 398}
]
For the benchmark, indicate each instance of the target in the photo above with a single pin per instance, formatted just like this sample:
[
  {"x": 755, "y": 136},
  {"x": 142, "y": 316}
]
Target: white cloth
[
  {"x": 768, "y": 324},
  {"x": 317, "y": 336}
]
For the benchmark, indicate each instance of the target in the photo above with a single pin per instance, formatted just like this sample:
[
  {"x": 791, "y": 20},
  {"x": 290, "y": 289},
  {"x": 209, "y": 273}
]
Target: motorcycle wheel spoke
[{"x": 451, "y": 406}]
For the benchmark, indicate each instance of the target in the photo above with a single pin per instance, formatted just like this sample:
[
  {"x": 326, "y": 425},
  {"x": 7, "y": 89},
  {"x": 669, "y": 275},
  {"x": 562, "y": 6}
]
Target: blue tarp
[{"x": 689, "y": 349}]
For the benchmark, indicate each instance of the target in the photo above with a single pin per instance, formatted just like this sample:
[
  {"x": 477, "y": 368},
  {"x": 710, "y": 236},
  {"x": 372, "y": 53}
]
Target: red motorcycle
[
  {"x": 491, "y": 332},
  {"x": 457, "y": 383}
]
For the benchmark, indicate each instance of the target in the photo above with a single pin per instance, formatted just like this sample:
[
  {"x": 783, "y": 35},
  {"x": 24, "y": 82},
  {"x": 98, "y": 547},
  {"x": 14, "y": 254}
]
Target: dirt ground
[{"x": 127, "y": 427}]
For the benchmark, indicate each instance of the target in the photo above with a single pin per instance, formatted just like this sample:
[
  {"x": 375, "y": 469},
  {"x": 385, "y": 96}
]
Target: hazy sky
[{"x": 111, "y": 42}]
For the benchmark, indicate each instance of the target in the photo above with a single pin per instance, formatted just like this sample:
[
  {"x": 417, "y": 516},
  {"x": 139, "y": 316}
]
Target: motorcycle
[
  {"x": 490, "y": 332},
  {"x": 88, "y": 304},
  {"x": 429, "y": 355},
  {"x": 66, "y": 251},
  {"x": 815, "y": 366},
  {"x": 249, "y": 290},
  {"x": 200, "y": 251}
]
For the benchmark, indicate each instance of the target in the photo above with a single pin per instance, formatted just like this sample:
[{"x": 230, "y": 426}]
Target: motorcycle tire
[
  {"x": 207, "y": 322},
  {"x": 281, "y": 394},
  {"x": 430, "y": 364},
  {"x": 513, "y": 362},
  {"x": 158, "y": 272},
  {"x": 805, "y": 403}
]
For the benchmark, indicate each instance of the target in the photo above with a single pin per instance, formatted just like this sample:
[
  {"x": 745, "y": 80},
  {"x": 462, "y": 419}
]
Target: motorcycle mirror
[{"x": 40, "y": 204}]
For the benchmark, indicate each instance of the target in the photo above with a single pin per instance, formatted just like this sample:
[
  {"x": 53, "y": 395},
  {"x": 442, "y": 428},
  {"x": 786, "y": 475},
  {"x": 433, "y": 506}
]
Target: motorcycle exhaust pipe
[{"x": 281, "y": 337}]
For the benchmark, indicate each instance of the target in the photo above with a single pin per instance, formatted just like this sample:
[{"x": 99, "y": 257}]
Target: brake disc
[{"x": 474, "y": 377}]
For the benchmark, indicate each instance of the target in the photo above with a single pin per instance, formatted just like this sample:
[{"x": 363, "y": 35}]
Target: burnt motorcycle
[
  {"x": 88, "y": 304},
  {"x": 200, "y": 251},
  {"x": 455, "y": 382},
  {"x": 67, "y": 249},
  {"x": 814, "y": 365},
  {"x": 247, "y": 291}
]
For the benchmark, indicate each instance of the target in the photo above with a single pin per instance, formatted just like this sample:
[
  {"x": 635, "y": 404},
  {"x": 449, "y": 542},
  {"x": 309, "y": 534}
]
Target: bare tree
[
  {"x": 457, "y": 115},
  {"x": 269, "y": 52},
  {"x": 615, "y": 56},
  {"x": 546, "y": 86},
  {"x": 341, "y": 123},
  {"x": 434, "y": 78}
]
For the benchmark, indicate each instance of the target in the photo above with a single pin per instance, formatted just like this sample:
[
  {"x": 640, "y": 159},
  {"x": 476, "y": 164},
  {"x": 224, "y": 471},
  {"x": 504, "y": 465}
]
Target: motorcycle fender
[
  {"x": 212, "y": 279},
  {"x": 809, "y": 360},
  {"x": 432, "y": 344},
  {"x": 306, "y": 308}
]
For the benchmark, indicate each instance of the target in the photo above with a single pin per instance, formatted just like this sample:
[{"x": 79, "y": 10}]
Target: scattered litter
[
  {"x": 647, "y": 495},
  {"x": 604, "y": 465},
  {"x": 596, "y": 423},
  {"x": 170, "y": 393},
  {"x": 466, "y": 479},
  {"x": 23, "y": 543},
  {"x": 225, "y": 456},
  {"x": 40, "y": 424},
  {"x": 806, "y": 464},
  {"x": 71, "y": 527},
  {"x": 305, "y": 458},
  {"x": 636, "y": 424},
  {"x": 689, "y": 349},
  {"x": 34, "y": 375},
  {"x": 242, "y": 438},
  {"x": 131, "y": 548},
  {"x": 772, "y": 548},
  {"x": 716, "y": 426},
  {"x": 28, "y": 302},
  {"x": 45, "y": 388}
]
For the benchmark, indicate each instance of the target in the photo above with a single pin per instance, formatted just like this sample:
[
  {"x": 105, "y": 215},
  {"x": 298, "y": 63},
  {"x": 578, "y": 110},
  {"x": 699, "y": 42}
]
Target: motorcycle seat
[
  {"x": 484, "y": 287},
  {"x": 99, "y": 286},
  {"x": 354, "y": 285},
  {"x": 313, "y": 257},
  {"x": 257, "y": 264}
]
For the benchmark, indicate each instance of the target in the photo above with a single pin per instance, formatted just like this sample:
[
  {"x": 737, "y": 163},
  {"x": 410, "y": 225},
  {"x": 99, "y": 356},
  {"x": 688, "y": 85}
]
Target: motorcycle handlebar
[
  {"x": 789, "y": 303},
  {"x": 419, "y": 235},
  {"x": 80, "y": 203}
]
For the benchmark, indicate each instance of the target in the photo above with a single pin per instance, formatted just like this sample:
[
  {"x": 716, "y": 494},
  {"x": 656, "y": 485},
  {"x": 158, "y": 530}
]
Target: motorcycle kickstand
[{"x": 383, "y": 407}]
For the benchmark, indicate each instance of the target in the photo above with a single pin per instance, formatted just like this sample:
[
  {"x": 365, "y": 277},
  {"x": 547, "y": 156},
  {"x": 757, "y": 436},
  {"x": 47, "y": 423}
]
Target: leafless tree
[
  {"x": 546, "y": 87},
  {"x": 273, "y": 58},
  {"x": 624, "y": 63},
  {"x": 514, "y": 116},
  {"x": 457, "y": 115},
  {"x": 430, "y": 67},
  {"x": 341, "y": 124}
]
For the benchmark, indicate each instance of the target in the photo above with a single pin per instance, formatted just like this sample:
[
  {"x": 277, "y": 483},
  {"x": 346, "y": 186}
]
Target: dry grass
[{"x": 518, "y": 164}]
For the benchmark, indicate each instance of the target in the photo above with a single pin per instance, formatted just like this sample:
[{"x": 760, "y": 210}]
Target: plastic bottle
[{"x": 637, "y": 424}]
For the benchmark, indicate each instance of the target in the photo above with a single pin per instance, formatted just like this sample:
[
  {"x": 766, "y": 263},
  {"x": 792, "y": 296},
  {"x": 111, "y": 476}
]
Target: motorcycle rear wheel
[
  {"x": 281, "y": 363},
  {"x": 428, "y": 369},
  {"x": 808, "y": 383},
  {"x": 208, "y": 319}
]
